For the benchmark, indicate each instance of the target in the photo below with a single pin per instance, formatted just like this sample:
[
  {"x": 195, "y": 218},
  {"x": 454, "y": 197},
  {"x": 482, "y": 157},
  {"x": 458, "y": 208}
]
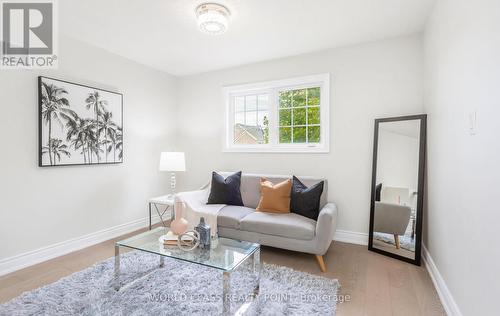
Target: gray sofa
[{"x": 288, "y": 231}]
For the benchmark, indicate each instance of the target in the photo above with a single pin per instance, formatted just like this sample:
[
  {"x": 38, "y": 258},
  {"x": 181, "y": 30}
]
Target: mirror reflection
[{"x": 396, "y": 191}]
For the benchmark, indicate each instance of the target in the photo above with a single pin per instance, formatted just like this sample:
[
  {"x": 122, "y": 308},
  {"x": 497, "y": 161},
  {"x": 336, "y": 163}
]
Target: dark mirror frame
[{"x": 421, "y": 179}]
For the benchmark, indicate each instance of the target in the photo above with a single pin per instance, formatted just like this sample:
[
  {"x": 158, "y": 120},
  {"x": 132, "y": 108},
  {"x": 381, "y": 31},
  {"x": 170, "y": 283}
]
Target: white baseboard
[
  {"x": 30, "y": 258},
  {"x": 351, "y": 237},
  {"x": 449, "y": 304}
]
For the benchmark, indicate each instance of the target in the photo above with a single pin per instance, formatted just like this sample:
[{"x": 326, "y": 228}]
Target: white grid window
[
  {"x": 299, "y": 116},
  {"x": 290, "y": 115},
  {"x": 251, "y": 119}
]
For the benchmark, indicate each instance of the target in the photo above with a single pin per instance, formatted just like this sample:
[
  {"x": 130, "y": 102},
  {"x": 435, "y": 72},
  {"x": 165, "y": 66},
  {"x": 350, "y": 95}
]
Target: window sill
[{"x": 284, "y": 150}]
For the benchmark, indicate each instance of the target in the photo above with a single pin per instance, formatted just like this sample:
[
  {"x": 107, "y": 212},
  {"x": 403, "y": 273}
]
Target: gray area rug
[{"x": 178, "y": 288}]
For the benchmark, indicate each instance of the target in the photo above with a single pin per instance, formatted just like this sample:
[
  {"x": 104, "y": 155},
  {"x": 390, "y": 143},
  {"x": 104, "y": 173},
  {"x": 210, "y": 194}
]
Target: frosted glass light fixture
[{"x": 212, "y": 18}]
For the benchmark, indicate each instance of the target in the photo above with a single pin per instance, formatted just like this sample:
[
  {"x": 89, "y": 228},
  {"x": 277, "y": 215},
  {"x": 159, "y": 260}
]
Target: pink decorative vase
[{"x": 179, "y": 225}]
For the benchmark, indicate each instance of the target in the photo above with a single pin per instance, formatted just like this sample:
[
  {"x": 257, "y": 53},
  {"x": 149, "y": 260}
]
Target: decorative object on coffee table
[
  {"x": 189, "y": 240},
  {"x": 173, "y": 162},
  {"x": 169, "y": 239},
  {"x": 179, "y": 225},
  {"x": 204, "y": 232}
]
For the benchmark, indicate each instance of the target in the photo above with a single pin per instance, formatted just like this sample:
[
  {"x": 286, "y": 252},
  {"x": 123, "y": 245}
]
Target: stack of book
[{"x": 170, "y": 239}]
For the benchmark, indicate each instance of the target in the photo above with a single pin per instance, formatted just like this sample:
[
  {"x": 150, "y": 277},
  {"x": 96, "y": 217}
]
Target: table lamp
[{"x": 173, "y": 162}]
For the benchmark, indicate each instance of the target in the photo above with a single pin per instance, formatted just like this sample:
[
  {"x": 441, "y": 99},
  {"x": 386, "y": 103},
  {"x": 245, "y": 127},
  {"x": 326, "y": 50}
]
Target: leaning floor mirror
[{"x": 398, "y": 187}]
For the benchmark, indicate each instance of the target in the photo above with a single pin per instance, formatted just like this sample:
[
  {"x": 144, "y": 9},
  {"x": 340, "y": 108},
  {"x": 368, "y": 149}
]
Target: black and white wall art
[{"x": 78, "y": 125}]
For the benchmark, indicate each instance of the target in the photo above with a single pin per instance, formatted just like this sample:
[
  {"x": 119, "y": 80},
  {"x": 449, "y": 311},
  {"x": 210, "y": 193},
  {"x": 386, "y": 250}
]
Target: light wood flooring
[{"x": 374, "y": 284}]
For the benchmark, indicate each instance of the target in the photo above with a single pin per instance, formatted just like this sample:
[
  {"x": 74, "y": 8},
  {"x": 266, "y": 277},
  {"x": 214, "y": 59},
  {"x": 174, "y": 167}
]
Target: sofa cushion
[
  {"x": 225, "y": 190},
  {"x": 230, "y": 215},
  {"x": 305, "y": 200},
  {"x": 286, "y": 225},
  {"x": 250, "y": 186},
  {"x": 274, "y": 198}
]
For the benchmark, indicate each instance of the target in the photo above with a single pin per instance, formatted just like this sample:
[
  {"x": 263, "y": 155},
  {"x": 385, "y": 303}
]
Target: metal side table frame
[{"x": 165, "y": 200}]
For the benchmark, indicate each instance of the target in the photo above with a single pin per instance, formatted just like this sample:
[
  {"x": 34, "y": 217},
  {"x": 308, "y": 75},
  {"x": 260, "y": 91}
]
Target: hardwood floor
[{"x": 371, "y": 284}]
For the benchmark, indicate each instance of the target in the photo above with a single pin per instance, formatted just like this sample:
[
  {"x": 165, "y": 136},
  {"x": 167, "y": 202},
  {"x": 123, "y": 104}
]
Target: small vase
[
  {"x": 179, "y": 225},
  {"x": 204, "y": 230}
]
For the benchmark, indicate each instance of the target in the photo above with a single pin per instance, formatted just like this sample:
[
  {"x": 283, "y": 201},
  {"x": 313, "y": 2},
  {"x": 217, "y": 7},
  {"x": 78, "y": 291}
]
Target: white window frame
[{"x": 272, "y": 88}]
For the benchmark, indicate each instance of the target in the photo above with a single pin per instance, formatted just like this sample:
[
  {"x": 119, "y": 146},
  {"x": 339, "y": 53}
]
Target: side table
[{"x": 166, "y": 202}]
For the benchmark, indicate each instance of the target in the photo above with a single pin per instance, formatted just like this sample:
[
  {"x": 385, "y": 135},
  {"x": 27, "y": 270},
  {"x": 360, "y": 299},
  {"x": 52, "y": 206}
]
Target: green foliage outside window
[
  {"x": 313, "y": 115},
  {"x": 299, "y": 116},
  {"x": 285, "y": 117},
  {"x": 313, "y": 133},
  {"x": 285, "y": 99},
  {"x": 299, "y": 97},
  {"x": 313, "y": 96},
  {"x": 299, "y": 135},
  {"x": 266, "y": 130},
  {"x": 285, "y": 135}
]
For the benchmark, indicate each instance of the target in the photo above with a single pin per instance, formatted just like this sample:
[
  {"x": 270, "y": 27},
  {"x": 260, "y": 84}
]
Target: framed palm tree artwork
[{"x": 78, "y": 124}]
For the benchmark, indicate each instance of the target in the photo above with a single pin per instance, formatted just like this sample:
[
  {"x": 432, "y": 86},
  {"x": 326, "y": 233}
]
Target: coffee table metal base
[
  {"x": 226, "y": 281},
  {"x": 226, "y": 287}
]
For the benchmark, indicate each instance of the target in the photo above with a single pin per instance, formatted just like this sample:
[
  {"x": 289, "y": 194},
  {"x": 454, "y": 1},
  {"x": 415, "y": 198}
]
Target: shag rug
[
  {"x": 179, "y": 288},
  {"x": 405, "y": 241}
]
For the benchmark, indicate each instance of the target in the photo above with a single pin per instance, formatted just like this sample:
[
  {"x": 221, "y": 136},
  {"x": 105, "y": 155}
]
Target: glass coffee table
[{"x": 225, "y": 255}]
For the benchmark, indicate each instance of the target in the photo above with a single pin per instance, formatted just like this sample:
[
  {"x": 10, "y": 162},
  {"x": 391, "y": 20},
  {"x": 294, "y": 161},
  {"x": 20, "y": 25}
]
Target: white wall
[
  {"x": 462, "y": 74},
  {"x": 368, "y": 81},
  {"x": 397, "y": 160},
  {"x": 43, "y": 206}
]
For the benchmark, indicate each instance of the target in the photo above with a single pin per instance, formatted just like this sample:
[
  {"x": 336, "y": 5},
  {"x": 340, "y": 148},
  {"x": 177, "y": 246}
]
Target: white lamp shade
[{"x": 172, "y": 161}]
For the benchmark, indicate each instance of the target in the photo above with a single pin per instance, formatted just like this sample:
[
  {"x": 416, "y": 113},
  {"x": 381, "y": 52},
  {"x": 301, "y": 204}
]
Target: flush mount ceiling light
[{"x": 212, "y": 18}]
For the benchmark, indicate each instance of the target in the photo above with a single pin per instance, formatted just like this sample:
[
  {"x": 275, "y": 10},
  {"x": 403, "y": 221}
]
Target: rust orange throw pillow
[{"x": 274, "y": 198}]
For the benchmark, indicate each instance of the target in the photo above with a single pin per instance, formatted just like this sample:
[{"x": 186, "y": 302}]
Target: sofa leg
[
  {"x": 396, "y": 239},
  {"x": 321, "y": 263}
]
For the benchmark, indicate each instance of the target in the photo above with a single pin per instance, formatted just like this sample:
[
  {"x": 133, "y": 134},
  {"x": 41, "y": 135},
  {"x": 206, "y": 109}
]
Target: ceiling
[{"x": 163, "y": 33}]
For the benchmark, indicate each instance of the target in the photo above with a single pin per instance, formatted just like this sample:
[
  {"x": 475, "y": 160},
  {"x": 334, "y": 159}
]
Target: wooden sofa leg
[
  {"x": 396, "y": 239},
  {"x": 321, "y": 263}
]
